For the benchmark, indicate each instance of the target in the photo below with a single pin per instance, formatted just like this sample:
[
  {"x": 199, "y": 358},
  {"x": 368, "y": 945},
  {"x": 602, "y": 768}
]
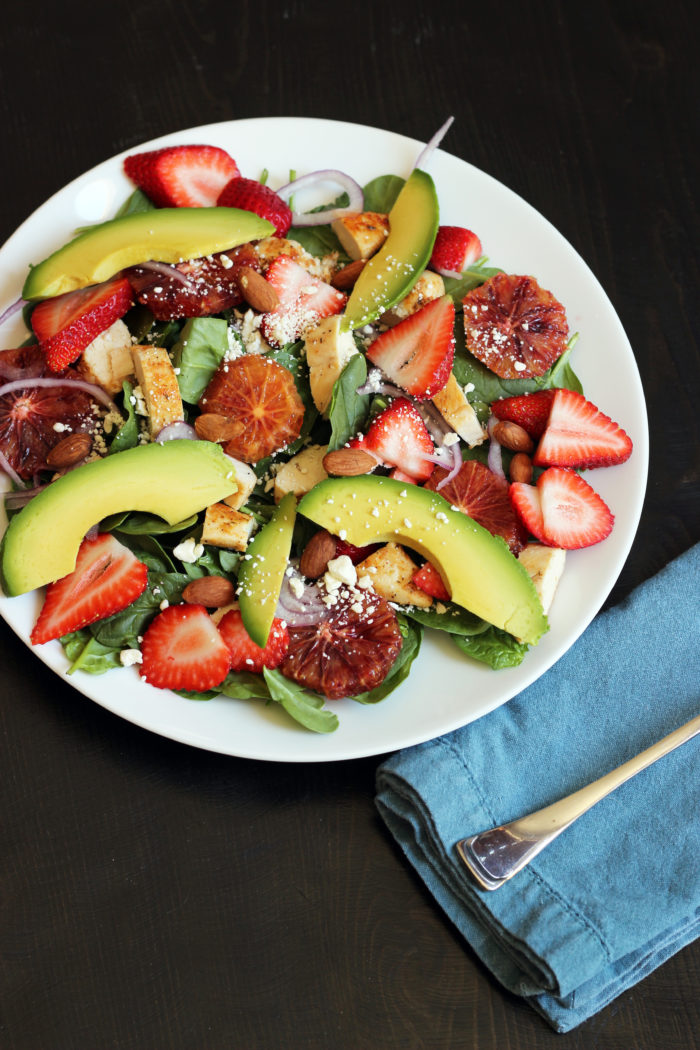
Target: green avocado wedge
[
  {"x": 262, "y": 570},
  {"x": 168, "y": 235},
  {"x": 480, "y": 571},
  {"x": 173, "y": 480},
  {"x": 389, "y": 275}
]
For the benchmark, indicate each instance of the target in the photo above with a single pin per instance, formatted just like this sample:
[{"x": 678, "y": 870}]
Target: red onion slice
[
  {"x": 437, "y": 426},
  {"x": 81, "y": 384},
  {"x": 448, "y": 273},
  {"x": 456, "y": 453},
  {"x": 300, "y": 612},
  {"x": 177, "y": 431},
  {"x": 428, "y": 150},
  {"x": 315, "y": 178},
  {"x": 495, "y": 460},
  {"x": 21, "y": 497},
  {"x": 12, "y": 310},
  {"x": 11, "y": 472}
]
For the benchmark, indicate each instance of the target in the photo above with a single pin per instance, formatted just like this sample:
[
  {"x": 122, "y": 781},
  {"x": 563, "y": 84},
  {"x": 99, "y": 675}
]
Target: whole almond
[
  {"x": 316, "y": 554},
  {"x": 213, "y": 427},
  {"x": 256, "y": 291},
  {"x": 211, "y": 591},
  {"x": 345, "y": 279},
  {"x": 513, "y": 437},
  {"x": 348, "y": 462},
  {"x": 69, "y": 451},
  {"x": 521, "y": 468}
]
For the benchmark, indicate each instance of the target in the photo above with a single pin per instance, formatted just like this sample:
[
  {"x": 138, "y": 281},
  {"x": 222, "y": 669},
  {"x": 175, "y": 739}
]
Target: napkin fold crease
[{"x": 619, "y": 892}]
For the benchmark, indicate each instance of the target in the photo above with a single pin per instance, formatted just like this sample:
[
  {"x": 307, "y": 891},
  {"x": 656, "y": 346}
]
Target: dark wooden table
[{"x": 157, "y": 896}]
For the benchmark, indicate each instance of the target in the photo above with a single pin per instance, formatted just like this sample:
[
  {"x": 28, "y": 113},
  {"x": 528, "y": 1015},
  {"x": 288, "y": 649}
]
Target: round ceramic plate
[{"x": 444, "y": 690}]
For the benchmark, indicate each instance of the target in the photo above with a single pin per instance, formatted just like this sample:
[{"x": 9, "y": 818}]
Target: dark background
[{"x": 156, "y": 896}]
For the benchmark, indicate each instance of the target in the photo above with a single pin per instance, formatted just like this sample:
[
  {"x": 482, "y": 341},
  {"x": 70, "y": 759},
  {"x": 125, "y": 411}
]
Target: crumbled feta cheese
[
  {"x": 129, "y": 657},
  {"x": 189, "y": 550}
]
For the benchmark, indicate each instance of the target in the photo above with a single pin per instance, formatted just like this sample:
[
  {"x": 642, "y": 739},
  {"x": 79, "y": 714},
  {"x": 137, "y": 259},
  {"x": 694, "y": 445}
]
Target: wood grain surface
[{"x": 153, "y": 896}]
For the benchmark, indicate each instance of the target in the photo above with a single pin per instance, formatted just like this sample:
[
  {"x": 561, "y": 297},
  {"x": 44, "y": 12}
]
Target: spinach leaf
[
  {"x": 123, "y": 629},
  {"x": 292, "y": 358},
  {"x": 87, "y": 654},
  {"x": 454, "y": 619},
  {"x": 128, "y": 434},
  {"x": 348, "y": 409},
  {"x": 138, "y": 523},
  {"x": 493, "y": 647},
  {"x": 458, "y": 287},
  {"x": 198, "y": 353},
  {"x": 133, "y": 205},
  {"x": 412, "y": 637},
  {"x": 381, "y": 193},
  {"x": 244, "y": 685},
  {"x": 318, "y": 241},
  {"x": 303, "y": 706}
]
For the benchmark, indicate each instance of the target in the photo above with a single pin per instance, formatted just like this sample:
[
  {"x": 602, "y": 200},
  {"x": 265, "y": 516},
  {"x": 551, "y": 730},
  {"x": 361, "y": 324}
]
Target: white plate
[{"x": 444, "y": 690}]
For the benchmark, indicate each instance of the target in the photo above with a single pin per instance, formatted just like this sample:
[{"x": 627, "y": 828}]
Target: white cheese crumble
[
  {"x": 129, "y": 657},
  {"x": 189, "y": 550}
]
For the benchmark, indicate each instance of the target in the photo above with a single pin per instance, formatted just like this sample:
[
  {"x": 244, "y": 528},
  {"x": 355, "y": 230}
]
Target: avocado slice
[
  {"x": 390, "y": 274},
  {"x": 262, "y": 570},
  {"x": 482, "y": 574},
  {"x": 173, "y": 480},
  {"x": 168, "y": 235}
]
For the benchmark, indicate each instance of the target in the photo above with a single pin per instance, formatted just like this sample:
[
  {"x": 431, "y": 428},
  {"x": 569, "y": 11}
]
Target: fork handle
[{"x": 494, "y": 856}]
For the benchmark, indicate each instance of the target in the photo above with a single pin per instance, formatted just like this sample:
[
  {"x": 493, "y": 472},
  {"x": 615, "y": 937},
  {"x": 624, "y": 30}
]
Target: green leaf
[
  {"x": 454, "y": 619},
  {"x": 87, "y": 654},
  {"x": 458, "y": 287},
  {"x": 138, "y": 524},
  {"x": 123, "y": 629},
  {"x": 381, "y": 193},
  {"x": 412, "y": 636},
  {"x": 128, "y": 434},
  {"x": 318, "y": 241},
  {"x": 348, "y": 409},
  {"x": 493, "y": 647},
  {"x": 199, "y": 351},
  {"x": 244, "y": 685},
  {"x": 136, "y": 203},
  {"x": 303, "y": 706}
]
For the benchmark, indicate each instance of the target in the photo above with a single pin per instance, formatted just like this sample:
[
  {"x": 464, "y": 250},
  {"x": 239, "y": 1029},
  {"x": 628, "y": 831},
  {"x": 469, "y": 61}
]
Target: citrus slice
[
  {"x": 514, "y": 327},
  {"x": 260, "y": 397},
  {"x": 478, "y": 492}
]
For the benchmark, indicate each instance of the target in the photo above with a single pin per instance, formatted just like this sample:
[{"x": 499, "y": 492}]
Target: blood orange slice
[
  {"x": 346, "y": 653},
  {"x": 260, "y": 397},
  {"x": 478, "y": 492},
  {"x": 198, "y": 288},
  {"x": 514, "y": 327}
]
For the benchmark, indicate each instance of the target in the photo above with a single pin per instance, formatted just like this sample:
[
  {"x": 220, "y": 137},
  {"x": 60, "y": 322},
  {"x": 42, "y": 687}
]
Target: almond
[
  {"x": 212, "y": 427},
  {"x": 521, "y": 468},
  {"x": 256, "y": 291},
  {"x": 211, "y": 591},
  {"x": 344, "y": 279},
  {"x": 69, "y": 451},
  {"x": 348, "y": 462},
  {"x": 316, "y": 554},
  {"x": 513, "y": 437}
]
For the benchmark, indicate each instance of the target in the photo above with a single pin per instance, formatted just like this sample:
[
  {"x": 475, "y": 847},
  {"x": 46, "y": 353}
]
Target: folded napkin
[{"x": 618, "y": 892}]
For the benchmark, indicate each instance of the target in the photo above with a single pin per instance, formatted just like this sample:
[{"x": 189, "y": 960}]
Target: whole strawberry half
[
  {"x": 455, "y": 250},
  {"x": 562, "y": 510},
  {"x": 182, "y": 649},
  {"x": 579, "y": 435},
  {"x": 107, "y": 577},
  {"x": 399, "y": 438},
  {"x": 417, "y": 353},
  {"x": 182, "y": 176},
  {"x": 530, "y": 411},
  {"x": 251, "y": 195},
  {"x": 245, "y": 654},
  {"x": 68, "y": 323}
]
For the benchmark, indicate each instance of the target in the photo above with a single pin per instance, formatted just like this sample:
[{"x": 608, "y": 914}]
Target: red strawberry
[
  {"x": 182, "y": 176},
  {"x": 182, "y": 649},
  {"x": 355, "y": 554},
  {"x": 68, "y": 323},
  {"x": 579, "y": 435},
  {"x": 417, "y": 353},
  {"x": 430, "y": 581},
  {"x": 400, "y": 438},
  {"x": 245, "y": 654},
  {"x": 107, "y": 577},
  {"x": 303, "y": 301},
  {"x": 251, "y": 195},
  {"x": 530, "y": 411},
  {"x": 563, "y": 511},
  {"x": 455, "y": 250}
]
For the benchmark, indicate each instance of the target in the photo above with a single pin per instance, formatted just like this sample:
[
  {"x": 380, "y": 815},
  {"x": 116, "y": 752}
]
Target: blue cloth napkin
[{"x": 618, "y": 892}]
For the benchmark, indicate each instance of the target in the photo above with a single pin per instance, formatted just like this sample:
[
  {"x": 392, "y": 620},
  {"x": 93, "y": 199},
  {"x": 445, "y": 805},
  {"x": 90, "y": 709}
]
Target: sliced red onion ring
[
  {"x": 81, "y": 384},
  {"x": 179, "y": 430},
  {"x": 21, "y": 497},
  {"x": 140, "y": 280},
  {"x": 12, "y": 310},
  {"x": 11, "y": 472},
  {"x": 495, "y": 460},
  {"x": 300, "y": 612},
  {"x": 315, "y": 178},
  {"x": 456, "y": 454},
  {"x": 437, "y": 427},
  {"x": 428, "y": 150},
  {"x": 448, "y": 273}
]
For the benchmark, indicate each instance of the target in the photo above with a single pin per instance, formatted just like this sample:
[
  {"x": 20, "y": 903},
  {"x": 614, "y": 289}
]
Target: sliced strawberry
[
  {"x": 182, "y": 649},
  {"x": 417, "y": 353},
  {"x": 245, "y": 654},
  {"x": 579, "y": 435},
  {"x": 355, "y": 554},
  {"x": 303, "y": 301},
  {"x": 400, "y": 438},
  {"x": 563, "y": 511},
  {"x": 182, "y": 176},
  {"x": 107, "y": 577},
  {"x": 399, "y": 475},
  {"x": 455, "y": 249},
  {"x": 530, "y": 411},
  {"x": 430, "y": 581},
  {"x": 251, "y": 195},
  {"x": 483, "y": 496},
  {"x": 68, "y": 323}
]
